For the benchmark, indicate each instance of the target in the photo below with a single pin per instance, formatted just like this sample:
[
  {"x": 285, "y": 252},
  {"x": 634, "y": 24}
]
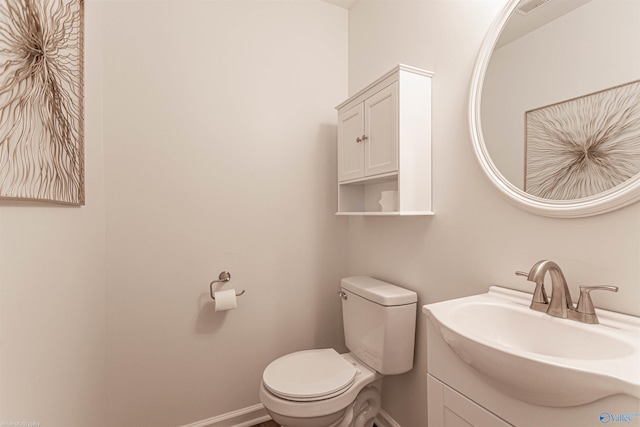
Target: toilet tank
[{"x": 379, "y": 323}]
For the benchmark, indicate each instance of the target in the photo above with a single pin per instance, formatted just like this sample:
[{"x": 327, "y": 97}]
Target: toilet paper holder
[{"x": 224, "y": 277}]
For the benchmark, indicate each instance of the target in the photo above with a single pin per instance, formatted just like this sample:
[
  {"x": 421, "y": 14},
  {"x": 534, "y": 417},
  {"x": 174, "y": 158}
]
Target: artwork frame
[
  {"x": 42, "y": 101},
  {"x": 583, "y": 146}
]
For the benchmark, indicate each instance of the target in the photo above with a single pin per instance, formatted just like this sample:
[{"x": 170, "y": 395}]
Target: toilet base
[
  {"x": 367, "y": 406},
  {"x": 356, "y": 407},
  {"x": 361, "y": 413},
  {"x": 331, "y": 420}
]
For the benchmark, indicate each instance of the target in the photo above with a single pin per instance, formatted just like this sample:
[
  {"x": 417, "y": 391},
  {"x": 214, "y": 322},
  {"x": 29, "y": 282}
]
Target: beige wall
[
  {"x": 476, "y": 238},
  {"x": 219, "y": 155},
  {"x": 52, "y": 288}
]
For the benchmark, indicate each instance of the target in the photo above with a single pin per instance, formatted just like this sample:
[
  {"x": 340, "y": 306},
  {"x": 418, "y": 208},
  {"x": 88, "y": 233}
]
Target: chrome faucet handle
[
  {"x": 540, "y": 302},
  {"x": 585, "y": 311}
]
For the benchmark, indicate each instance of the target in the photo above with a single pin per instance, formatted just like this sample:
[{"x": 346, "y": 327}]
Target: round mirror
[{"x": 555, "y": 105}]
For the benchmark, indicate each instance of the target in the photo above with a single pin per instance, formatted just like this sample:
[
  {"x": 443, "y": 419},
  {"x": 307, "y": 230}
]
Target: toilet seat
[{"x": 309, "y": 375}]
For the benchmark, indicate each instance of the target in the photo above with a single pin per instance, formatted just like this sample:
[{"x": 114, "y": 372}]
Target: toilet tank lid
[{"x": 378, "y": 291}]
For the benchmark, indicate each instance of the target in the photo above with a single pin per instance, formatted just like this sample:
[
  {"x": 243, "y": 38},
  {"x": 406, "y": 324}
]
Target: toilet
[{"x": 322, "y": 388}]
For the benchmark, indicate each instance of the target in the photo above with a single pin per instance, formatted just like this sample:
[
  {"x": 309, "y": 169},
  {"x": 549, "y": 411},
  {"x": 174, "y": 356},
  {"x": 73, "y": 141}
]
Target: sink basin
[{"x": 538, "y": 358}]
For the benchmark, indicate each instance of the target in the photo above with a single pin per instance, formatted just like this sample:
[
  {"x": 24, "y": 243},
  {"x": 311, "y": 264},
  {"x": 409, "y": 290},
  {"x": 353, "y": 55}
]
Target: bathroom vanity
[{"x": 492, "y": 361}]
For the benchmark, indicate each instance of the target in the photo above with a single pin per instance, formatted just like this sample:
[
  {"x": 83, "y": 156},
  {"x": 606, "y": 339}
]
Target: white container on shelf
[{"x": 388, "y": 201}]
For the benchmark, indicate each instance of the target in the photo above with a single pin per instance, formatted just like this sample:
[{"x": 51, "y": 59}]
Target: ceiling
[
  {"x": 342, "y": 3},
  {"x": 519, "y": 25}
]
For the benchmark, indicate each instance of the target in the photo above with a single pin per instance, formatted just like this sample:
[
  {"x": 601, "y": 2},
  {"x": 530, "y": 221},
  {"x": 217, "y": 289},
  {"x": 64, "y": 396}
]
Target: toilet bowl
[{"x": 322, "y": 388}]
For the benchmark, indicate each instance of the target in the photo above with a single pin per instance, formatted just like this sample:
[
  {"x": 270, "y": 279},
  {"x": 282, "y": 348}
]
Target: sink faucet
[
  {"x": 540, "y": 301},
  {"x": 561, "y": 304}
]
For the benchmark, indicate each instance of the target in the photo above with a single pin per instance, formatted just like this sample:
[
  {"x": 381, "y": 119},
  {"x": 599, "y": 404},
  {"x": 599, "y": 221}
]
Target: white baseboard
[
  {"x": 384, "y": 420},
  {"x": 256, "y": 414},
  {"x": 246, "y": 417}
]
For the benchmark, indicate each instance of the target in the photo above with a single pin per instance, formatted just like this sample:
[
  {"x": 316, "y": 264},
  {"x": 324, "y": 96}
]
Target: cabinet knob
[{"x": 362, "y": 139}]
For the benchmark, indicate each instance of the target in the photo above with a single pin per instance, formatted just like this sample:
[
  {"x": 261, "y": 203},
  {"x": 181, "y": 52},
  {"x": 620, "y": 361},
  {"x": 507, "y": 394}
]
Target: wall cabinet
[{"x": 384, "y": 144}]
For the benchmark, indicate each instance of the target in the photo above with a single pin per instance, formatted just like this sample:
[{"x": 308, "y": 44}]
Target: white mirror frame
[{"x": 615, "y": 198}]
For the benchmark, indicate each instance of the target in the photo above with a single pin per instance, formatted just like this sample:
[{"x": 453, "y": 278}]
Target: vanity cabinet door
[
  {"x": 448, "y": 408},
  {"x": 381, "y": 130},
  {"x": 350, "y": 145}
]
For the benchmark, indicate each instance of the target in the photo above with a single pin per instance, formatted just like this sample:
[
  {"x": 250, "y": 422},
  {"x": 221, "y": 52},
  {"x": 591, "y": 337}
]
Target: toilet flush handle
[{"x": 342, "y": 294}]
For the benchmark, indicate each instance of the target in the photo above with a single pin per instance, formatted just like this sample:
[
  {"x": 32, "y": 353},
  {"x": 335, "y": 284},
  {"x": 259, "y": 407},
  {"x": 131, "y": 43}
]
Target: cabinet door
[
  {"x": 350, "y": 145},
  {"x": 381, "y": 129},
  {"x": 448, "y": 408}
]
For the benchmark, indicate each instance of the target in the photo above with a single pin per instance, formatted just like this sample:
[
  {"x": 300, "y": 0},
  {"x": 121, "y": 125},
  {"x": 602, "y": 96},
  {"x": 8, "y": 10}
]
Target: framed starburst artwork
[
  {"x": 42, "y": 100},
  {"x": 583, "y": 146}
]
